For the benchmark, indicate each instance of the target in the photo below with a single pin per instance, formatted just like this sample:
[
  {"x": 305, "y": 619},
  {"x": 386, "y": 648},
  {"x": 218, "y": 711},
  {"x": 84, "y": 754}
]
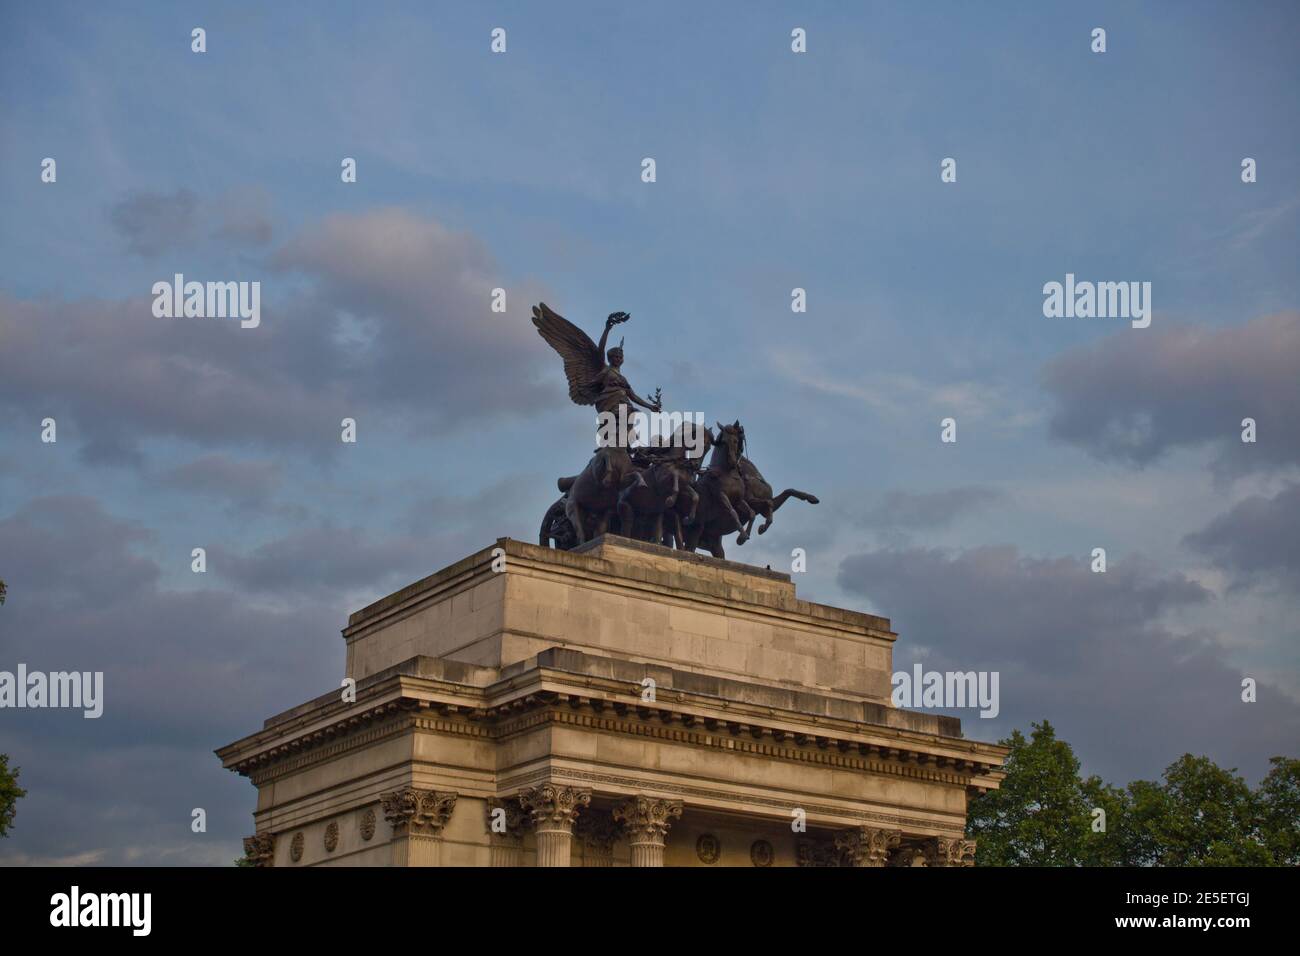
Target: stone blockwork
[{"x": 619, "y": 705}]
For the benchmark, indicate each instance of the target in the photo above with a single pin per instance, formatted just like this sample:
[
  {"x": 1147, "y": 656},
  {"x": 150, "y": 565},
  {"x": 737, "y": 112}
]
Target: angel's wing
[{"x": 582, "y": 360}]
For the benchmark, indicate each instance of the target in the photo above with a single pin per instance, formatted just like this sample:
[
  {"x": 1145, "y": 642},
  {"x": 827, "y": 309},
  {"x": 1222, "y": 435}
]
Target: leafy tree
[
  {"x": 1039, "y": 816},
  {"x": 1207, "y": 817},
  {"x": 1199, "y": 815},
  {"x": 1278, "y": 805},
  {"x": 10, "y": 794},
  {"x": 1117, "y": 844}
]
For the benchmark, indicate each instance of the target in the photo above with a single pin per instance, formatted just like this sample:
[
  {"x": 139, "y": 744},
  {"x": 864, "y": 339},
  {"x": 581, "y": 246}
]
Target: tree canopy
[{"x": 1199, "y": 814}]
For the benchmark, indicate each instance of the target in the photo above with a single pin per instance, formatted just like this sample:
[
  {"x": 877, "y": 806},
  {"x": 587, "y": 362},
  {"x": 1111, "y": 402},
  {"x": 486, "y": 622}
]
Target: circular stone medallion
[
  {"x": 332, "y": 836},
  {"x": 367, "y": 824},
  {"x": 707, "y": 848},
  {"x": 295, "y": 847},
  {"x": 761, "y": 854}
]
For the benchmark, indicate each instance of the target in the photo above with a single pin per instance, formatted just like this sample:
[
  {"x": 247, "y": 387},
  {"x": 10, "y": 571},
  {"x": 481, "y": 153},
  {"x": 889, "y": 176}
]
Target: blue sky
[{"x": 522, "y": 170}]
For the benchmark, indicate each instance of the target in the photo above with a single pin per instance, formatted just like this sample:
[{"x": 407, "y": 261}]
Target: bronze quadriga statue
[{"x": 657, "y": 492}]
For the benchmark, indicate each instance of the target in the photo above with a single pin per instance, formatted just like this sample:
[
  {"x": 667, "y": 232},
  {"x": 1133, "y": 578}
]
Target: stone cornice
[{"x": 528, "y": 700}]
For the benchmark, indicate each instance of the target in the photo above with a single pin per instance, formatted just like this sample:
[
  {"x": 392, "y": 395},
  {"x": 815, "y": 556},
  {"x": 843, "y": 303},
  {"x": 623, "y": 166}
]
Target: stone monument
[
  {"x": 620, "y": 703},
  {"x": 610, "y": 701}
]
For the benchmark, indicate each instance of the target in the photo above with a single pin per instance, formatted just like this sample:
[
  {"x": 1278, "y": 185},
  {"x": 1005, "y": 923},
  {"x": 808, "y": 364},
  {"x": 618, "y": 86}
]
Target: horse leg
[
  {"x": 675, "y": 529},
  {"x": 693, "y": 534},
  {"x": 747, "y": 513},
  {"x": 625, "y": 507},
  {"x": 693, "y": 497},
  {"x": 780, "y": 499},
  {"x": 725, "y": 501},
  {"x": 714, "y": 544},
  {"x": 576, "y": 518}
]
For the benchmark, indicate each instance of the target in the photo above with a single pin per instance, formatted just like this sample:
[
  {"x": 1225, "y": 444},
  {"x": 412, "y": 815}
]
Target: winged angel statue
[{"x": 593, "y": 373}]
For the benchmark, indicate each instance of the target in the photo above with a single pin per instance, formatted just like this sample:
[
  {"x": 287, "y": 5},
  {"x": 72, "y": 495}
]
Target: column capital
[
  {"x": 510, "y": 822},
  {"x": 647, "y": 820},
  {"x": 647, "y": 817},
  {"x": 946, "y": 851},
  {"x": 552, "y": 806},
  {"x": 259, "y": 849},
  {"x": 598, "y": 831},
  {"x": 810, "y": 851},
  {"x": 867, "y": 846},
  {"x": 410, "y": 810},
  {"x": 909, "y": 854}
]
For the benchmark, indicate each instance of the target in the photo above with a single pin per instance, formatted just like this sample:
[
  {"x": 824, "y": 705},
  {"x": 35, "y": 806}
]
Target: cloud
[
  {"x": 1091, "y": 652},
  {"x": 1257, "y": 541},
  {"x": 325, "y": 559},
  {"x": 247, "y": 484},
  {"x": 152, "y": 222},
  {"x": 417, "y": 296},
  {"x": 1136, "y": 396},
  {"x": 242, "y": 218},
  {"x": 185, "y": 671},
  {"x": 901, "y": 510},
  {"x": 381, "y": 314}
]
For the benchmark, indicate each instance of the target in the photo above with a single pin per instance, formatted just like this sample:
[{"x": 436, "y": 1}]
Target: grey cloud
[
  {"x": 245, "y": 483},
  {"x": 243, "y": 220},
  {"x": 1257, "y": 541},
  {"x": 184, "y": 672},
  {"x": 392, "y": 322},
  {"x": 1137, "y": 395},
  {"x": 323, "y": 559},
  {"x": 419, "y": 295},
  {"x": 154, "y": 222},
  {"x": 902, "y": 510},
  {"x": 1089, "y": 651}
]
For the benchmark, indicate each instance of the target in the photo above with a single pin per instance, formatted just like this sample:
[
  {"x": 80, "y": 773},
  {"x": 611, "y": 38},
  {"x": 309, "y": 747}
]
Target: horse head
[{"x": 730, "y": 441}]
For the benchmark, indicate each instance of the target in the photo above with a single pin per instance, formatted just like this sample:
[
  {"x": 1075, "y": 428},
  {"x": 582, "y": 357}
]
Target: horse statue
[
  {"x": 721, "y": 487},
  {"x": 758, "y": 495},
  {"x": 657, "y": 492},
  {"x": 666, "y": 495}
]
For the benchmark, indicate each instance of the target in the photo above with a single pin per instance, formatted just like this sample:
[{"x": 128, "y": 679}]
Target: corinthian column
[
  {"x": 942, "y": 851},
  {"x": 417, "y": 818},
  {"x": 505, "y": 823},
  {"x": 867, "y": 846},
  {"x": 598, "y": 831},
  {"x": 553, "y": 810},
  {"x": 647, "y": 820}
]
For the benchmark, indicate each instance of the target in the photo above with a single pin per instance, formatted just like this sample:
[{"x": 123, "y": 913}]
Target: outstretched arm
[
  {"x": 614, "y": 319},
  {"x": 648, "y": 406}
]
